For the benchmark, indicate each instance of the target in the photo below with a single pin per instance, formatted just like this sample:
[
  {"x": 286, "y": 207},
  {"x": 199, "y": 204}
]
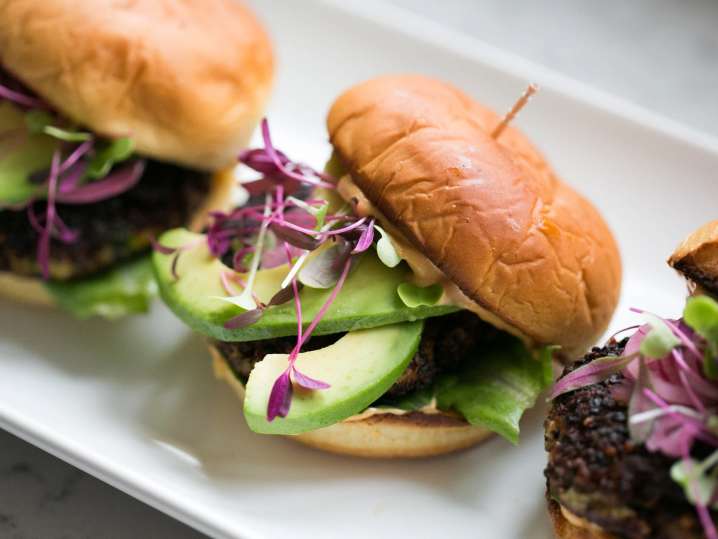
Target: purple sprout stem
[
  {"x": 43, "y": 246},
  {"x": 21, "y": 99},
  {"x": 274, "y": 156},
  {"x": 327, "y": 304}
]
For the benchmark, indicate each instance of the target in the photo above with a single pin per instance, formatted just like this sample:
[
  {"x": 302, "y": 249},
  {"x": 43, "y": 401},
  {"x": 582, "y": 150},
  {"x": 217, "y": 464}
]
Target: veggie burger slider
[
  {"x": 402, "y": 303},
  {"x": 113, "y": 118},
  {"x": 631, "y": 435}
]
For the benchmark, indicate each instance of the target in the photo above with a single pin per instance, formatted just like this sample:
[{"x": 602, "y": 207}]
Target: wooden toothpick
[{"x": 510, "y": 115}]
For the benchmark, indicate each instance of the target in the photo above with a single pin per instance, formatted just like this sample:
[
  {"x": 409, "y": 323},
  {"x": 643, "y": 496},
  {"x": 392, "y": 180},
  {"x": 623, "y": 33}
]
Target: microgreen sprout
[
  {"x": 319, "y": 251},
  {"x": 668, "y": 380},
  {"x": 81, "y": 170}
]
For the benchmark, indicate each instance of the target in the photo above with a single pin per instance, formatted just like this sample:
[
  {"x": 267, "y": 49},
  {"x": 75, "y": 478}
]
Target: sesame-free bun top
[
  {"x": 490, "y": 214},
  {"x": 696, "y": 258},
  {"x": 186, "y": 79}
]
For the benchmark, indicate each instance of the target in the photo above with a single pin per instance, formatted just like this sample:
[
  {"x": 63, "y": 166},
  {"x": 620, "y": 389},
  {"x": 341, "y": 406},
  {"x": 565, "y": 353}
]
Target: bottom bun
[
  {"x": 380, "y": 435},
  {"x": 32, "y": 290},
  {"x": 566, "y": 525},
  {"x": 28, "y": 290}
]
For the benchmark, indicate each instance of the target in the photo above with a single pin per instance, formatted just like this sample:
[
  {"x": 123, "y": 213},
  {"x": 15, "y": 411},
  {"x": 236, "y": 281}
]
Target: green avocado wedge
[
  {"x": 368, "y": 299},
  {"x": 359, "y": 367},
  {"x": 22, "y": 155},
  {"x": 126, "y": 289}
]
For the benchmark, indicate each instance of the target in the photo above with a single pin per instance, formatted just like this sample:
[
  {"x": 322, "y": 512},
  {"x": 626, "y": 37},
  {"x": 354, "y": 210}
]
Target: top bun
[
  {"x": 697, "y": 258},
  {"x": 187, "y": 80},
  {"x": 490, "y": 214}
]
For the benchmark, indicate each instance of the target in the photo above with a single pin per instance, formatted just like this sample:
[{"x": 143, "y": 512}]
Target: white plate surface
[{"x": 135, "y": 404}]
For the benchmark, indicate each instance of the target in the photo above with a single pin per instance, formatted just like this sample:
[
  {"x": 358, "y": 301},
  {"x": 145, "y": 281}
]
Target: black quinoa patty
[
  {"x": 110, "y": 231},
  {"x": 444, "y": 343},
  {"x": 597, "y": 473}
]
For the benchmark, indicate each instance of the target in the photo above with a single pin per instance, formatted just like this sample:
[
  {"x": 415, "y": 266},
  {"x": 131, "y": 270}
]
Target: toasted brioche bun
[
  {"x": 490, "y": 214},
  {"x": 381, "y": 435},
  {"x": 568, "y": 526},
  {"x": 187, "y": 80},
  {"x": 697, "y": 259},
  {"x": 32, "y": 290}
]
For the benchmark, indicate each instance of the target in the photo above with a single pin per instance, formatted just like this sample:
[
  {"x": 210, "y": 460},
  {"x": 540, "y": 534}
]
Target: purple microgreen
[
  {"x": 324, "y": 308},
  {"x": 283, "y": 165},
  {"x": 245, "y": 319},
  {"x": 258, "y": 187},
  {"x": 175, "y": 265},
  {"x": 176, "y": 251},
  {"x": 245, "y": 300},
  {"x": 238, "y": 259},
  {"x": 316, "y": 210},
  {"x": 283, "y": 296},
  {"x": 293, "y": 237},
  {"x": 640, "y": 403},
  {"x": 623, "y": 330},
  {"x": 280, "y": 398},
  {"x": 298, "y": 217},
  {"x": 345, "y": 229},
  {"x": 307, "y": 382},
  {"x": 67, "y": 180},
  {"x": 43, "y": 247},
  {"x": 71, "y": 178},
  {"x": 366, "y": 239},
  {"x": 324, "y": 269},
  {"x": 385, "y": 249},
  {"x": 274, "y": 257},
  {"x": 114, "y": 184},
  {"x": 20, "y": 98},
  {"x": 592, "y": 373},
  {"x": 258, "y": 159},
  {"x": 162, "y": 249}
]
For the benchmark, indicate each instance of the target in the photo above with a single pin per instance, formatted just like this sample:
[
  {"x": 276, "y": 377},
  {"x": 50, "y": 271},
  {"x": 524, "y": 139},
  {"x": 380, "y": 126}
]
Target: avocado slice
[
  {"x": 127, "y": 288},
  {"x": 23, "y": 154},
  {"x": 360, "y": 367},
  {"x": 368, "y": 299}
]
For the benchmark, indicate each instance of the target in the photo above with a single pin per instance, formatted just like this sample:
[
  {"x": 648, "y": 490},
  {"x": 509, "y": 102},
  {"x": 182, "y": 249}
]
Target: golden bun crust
[
  {"x": 490, "y": 214},
  {"x": 32, "y": 291},
  {"x": 187, "y": 80},
  {"x": 413, "y": 435},
  {"x": 696, "y": 258},
  {"x": 564, "y": 528}
]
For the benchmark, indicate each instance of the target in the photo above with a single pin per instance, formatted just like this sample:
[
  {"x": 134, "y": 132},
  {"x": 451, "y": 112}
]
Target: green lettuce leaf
[
  {"x": 492, "y": 389},
  {"x": 495, "y": 390},
  {"x": 127, "y": 289}
]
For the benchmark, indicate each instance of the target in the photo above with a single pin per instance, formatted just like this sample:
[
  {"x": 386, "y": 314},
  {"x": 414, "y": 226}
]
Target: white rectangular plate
[{"x": 135, "y": 404}]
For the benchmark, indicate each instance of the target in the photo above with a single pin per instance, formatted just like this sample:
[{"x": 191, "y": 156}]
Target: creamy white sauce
[{"x": 425, "y": 272}]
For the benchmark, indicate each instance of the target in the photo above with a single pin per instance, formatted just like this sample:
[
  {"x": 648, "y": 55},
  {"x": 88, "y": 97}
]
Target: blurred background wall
[{"x": 661, "y": 54}]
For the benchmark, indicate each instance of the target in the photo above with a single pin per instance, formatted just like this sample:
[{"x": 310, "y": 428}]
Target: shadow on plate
[{"x": 199, "y": 419}]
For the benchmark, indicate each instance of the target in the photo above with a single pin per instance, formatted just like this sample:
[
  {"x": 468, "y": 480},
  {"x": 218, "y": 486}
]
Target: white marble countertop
[{"x": 662, "y": 54}]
